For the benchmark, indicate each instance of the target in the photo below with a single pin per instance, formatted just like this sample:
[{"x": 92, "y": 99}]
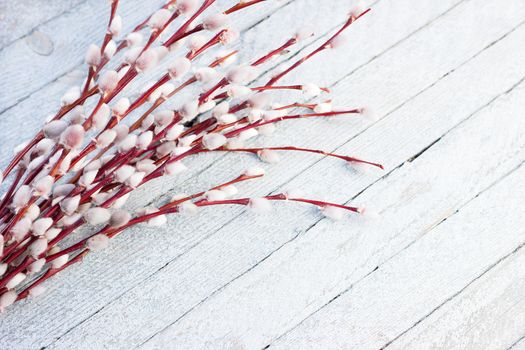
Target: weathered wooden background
[{"x": 442, "y": 267}]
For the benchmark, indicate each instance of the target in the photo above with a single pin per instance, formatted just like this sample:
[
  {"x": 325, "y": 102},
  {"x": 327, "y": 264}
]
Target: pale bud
[
  {"x": 98, "y": 242},
  {"x": 165, "y": 148},
  {"x": 97, "y": 216},
  {"x": 132, "y": 54},
  {"x": 268, "y": 156},
  {"x": 147, "y": 122},
  {"x": 108, "y": 81},
  {"x": 215, "y": 21},
  {"x": 77, "y": 115},
  {"x": 60, "y": 261},
  {"x": 188, "y": 208},
  {"x": 144, "y": 139},
  {"x": 124, "y": 172},
  {"x": 159, "y": 19},
  {"x": 42, "y": 186},
  {"x": 21, "y": 229},
  {"x": 236, "y": 91},
  {"x": 44, "y": 145},
  {"x": 179, "y": 67},
  {"x": 93, "y": 56},
  {"x": 196, "y": 42},
  {"x": 254, "y": 171},
  {"x": 120, "y": 202},
  {"x": 134, "y": 39},
  {"x": 119, "y": 218},
  {"x": 206, "y": 74},
  {"x": 15, "y": 281},
  {"x": 189, "y": 110},
  {"x": 32, "y": 212},
  {"x": 87, "y": 178},
  {"x": 101, "y": 117},
  {"x": 116, "y": 26},
  {"x": 166, "y": 89},
  {"x": 106, "y": 138},
  {"x": 121, "y": 106},
  {"x": 53, "y": 129},
  {"x": 220, "y": 109},
  {"x": 215, "y": 195},
  {"x": 110, "y": 49},
  {"x": 70, "y": 204},
  {"x": 3, "y": 268},
  {"x": 147, "y": 60},
  {"x": 186, "y": 6},
  {"x": 235, "y": 143},
  {"x": 127, "y": 143},
  {"x": 324, "y": 107},
  {"x": 73, "y": 136},
  {"x": 174, "y": 132},
  {"x": 70, "y": 96},
  {"x": 260, "y": 205},
  {"x": 242, "y": 74},
  {"x": 52, "y": 233},
  {"x": 229, "y": 190},
  {"x": 226, "y": 119},
  {"x": 174, "y": 168},
  {"x": 337, "y": 42},
  {"x": 37, "y": 247},
  {"x": 146, "y": 166},
  {"x": 37, "y": 291},
  {"x": 135, "y": 180},
  {"x": 358, "y": 9},
  {"x": 7, "y": 299},
  {"x": 311, "y": 90},
  {"x": 62, "y": 190},
  {"x": 260, "y": 100},
  {"x": 163, "y": 118},
  {"x": 22, "y": 196},
  {"x": 227, "y": 37},
  {"x": 40, "y": 226},
  {"x": 213, "y": 141},
  {"x": 122, "y": 131},
  {"x": 332, "y": 212},
  {"x": 36, "y": 266}
]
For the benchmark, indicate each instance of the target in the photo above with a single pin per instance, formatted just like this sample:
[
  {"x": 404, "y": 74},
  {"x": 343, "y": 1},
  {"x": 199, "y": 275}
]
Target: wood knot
[{"x": 40, "y": 43}]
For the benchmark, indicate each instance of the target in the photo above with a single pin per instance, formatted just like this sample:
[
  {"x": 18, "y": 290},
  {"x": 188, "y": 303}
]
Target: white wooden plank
[
  {"x": 246, "y": 245},
  {"x": 490, "y": 313},
  {"x": 519, "y": 344},
  {"x": 140, "y": 263},
  {"x": 19, "y": 18},
  {"x": 330, "y": 259}
]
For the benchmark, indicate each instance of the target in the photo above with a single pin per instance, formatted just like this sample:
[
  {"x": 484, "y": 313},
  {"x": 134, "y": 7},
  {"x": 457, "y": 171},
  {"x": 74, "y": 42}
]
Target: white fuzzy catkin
[
  {"x": 70, "y": 204},
  {"x": 185, "y": 7},
  {"x": 311, "y": 90},
  {"x": 188, "y": 208},
  {"x": 174, "y": 132},
  {"x": 93, "y": 56},
  {"x": 97, "y": 242},
  {"x": 303, "y": 33},
  {"x": 121, "y": 106},
  {"x": 163, "y": 118},
  {"x": 37, "y": 291},
  {"x": 7, "y": 299},
  {"x": 21, "y": 229},
  {"x": 227, "y": 118},
  {"x": 43, "y": 146},
  {"x": 227, "y": 37},
  {"x": 106, "y": 138},
  {"x": 220, "y": 109},
  {"x": 189, "y": 110},
  {"x": 268, "y": 156},
  {"x": 215, "y": 195},
  {"x": 254, "y": 171},
  {"x": 229, "y": 190},
  {"x": 358, "y": 9},
  {"x": 108, "y": 81},
  {"x": 52, "y": 233},
  {"x": 260, "y": 205},
  {"x": 127, "y": 143},
  {"x": 37, "y": 247},
  {"x": 3, "y": 268},
  {"x": 196, "y": 42},
  {"x": 248, "y": 134},
  {"x": 119, "y": 218},
  {"x": 62, "y": 190},
  {"x": 174, "y": 168},
  {"x": 73, "y": 136},
  {"x": 242, "y": 74},
  {"x": 324, "y": 107},
  {"x": 144, "y": 139},
  {"x": 135, "y": 180},
  {"x": 53, "y": 129},
  {"x": 132, "y": 54},
  {"x": 21, "y": 196},
  {"x": 97, "y": 216},
  {"x": 179, "y": 67},
  {"x": 15, "y": 280},
  {"x": 124, "y": 172},
  {"x": 159, "y": 19},
  {"x": 70, "y": 96},
  {"x": 134, "y": 39},
  {"x": 42, "y": 186},
  {"x": 40, "y": 226},
  {"x": 236, "y": 91},
  {"x": 36, "y": 266},
  {"x": 110, "y": 49},
  {"x": 60, "y": 261},
  {"x": 333, "y": 212},
  {"x": 101, "y": 117},
  {"x": 147, "y": 60},
  {"x": 213, "y": 141},
  {"x": 116, "y": 26},
  {"x": 87, "y": 178},
  {"x": 206, "y": 74}
]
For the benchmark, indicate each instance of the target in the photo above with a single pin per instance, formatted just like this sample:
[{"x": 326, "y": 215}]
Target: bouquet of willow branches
[{"x": 80, "y": 169}]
